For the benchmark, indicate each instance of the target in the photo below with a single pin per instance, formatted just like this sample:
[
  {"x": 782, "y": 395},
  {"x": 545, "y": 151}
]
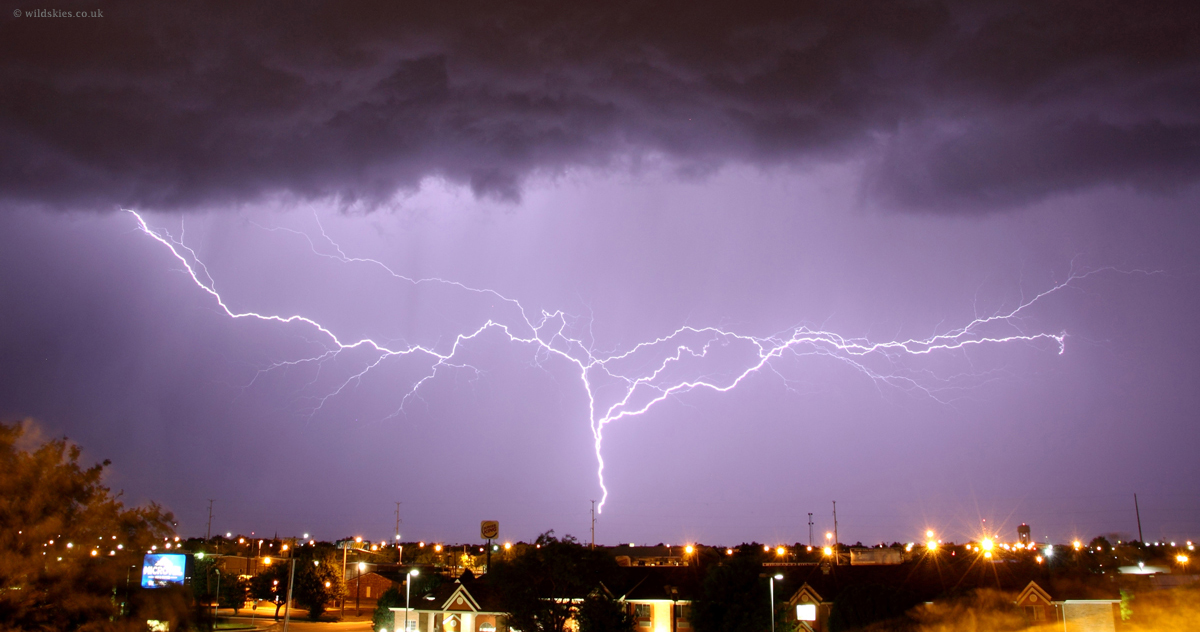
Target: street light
[
  {"x": 407, "y": 591},
  {"x": 775, "y": 577}
]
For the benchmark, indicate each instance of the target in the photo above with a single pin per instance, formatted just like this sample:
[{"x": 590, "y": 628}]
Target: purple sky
[{"x": 886, "y": 171}]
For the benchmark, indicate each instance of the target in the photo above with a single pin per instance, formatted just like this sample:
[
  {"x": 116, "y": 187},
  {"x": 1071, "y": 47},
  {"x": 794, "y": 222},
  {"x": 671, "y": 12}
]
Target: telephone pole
[
  {"x": 835, "y": 534},
  {"x": 208, "y": 533},
  {"x": 397, "y": 521},
  {"x": 593, "y": 524},
  {"x": 810, "y": 524},
  {"x": 1138, "y": 513}
]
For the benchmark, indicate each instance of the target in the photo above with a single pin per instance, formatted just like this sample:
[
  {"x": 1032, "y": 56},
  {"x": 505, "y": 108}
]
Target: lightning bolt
[{"x": 650, "y": 372}]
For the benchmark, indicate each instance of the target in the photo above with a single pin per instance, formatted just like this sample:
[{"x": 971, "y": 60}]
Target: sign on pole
[{"x": 489, "y": 529}]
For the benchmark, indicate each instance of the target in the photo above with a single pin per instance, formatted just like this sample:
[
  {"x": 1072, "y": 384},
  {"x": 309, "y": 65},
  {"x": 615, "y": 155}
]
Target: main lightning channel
[{"x": 652, "y": 381}]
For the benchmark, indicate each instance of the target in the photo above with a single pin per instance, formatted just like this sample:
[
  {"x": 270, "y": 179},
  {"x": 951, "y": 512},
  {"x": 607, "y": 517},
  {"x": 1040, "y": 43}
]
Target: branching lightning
[{"x": 647, "y": 374}]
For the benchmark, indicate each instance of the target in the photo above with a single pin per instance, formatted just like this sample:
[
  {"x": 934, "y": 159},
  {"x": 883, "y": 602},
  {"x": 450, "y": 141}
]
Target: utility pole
[
  {"x": 287, "y": 613},
  {"x": 593, "y": 524},
  {"x": 835, "y": 534},
  {"x": 1138, "y": 513},
  {"x": 397, "y": 521},
  {"x": 342, "y": 609},
  {"x": 810, "y": 523},
  {"x": 208, "y": 533}
]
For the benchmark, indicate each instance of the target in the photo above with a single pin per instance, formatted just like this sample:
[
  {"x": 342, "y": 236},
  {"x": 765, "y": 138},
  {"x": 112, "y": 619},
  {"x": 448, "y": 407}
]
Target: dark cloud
[{"x": 964, "y": 106}]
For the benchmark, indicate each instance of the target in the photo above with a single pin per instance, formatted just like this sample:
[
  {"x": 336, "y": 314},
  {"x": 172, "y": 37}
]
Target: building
[
  {"x": 1077, "y": 607},
  {"x": 461, "y": 606}
]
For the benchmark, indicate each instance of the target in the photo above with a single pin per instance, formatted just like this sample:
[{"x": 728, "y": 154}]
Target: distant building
[
  {"x": 860, "y": 556},
  {"x": 649, "y": 555},
  {"x": 1023, "y": 534}
]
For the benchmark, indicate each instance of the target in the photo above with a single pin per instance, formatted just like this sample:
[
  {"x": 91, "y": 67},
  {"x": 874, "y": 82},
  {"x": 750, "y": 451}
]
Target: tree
[
  {"x": 317, "y": 583},
  {"x": 863, "y": 604},
  {"x": 67, "y": 545},
  {"x": 270, "y": 584},
  {"x": 383, "y": 617},
  {"x": 733, "y": 594},
  {"x": 538, "y": 586},
  {"x": 394, "y": 598},
  {"x": 599, "y": 612}
]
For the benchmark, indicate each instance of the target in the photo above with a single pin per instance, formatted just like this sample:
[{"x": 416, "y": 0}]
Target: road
[{"x": 267, "y": 623}]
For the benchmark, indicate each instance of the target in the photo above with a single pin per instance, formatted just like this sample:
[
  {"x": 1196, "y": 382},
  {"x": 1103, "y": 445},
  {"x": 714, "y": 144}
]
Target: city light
[
  {"x": 728, "y": 551},
  {"x": 1181, "y": 558},
  {"x": 780, "y": 551},
  {"x": 266, "y": 561},
  {"x": 1077, "y": 544},
  {"x": 1039, "y": 559},
  {"x": 507, "y": 546},
  {"x": 358, "y": 540},
  {"x": 929, "y": 534},
  {"x": 931, "y": 545},
  {"x": 987, "y": 545},
  {"x": 437, "y": 548},
  {"x": 689, "y": 549},
  {"x": 828, "y": 535},
  {"x": 828, "y": 551}
]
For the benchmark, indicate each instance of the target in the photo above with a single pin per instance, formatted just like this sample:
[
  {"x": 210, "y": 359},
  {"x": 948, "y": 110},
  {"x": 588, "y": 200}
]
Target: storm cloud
[{"x": 953, "y": 107}]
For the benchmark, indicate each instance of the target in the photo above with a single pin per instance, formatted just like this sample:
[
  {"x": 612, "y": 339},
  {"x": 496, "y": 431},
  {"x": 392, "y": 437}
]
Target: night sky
[{"x": 502, "y": 201}]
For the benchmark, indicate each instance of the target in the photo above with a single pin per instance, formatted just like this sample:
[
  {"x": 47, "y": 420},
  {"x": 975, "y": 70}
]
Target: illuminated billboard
[{"x": 163, "y": 569}]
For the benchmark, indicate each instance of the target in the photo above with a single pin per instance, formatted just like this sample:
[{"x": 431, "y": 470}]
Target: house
[
  {"x": 462, "y": 606},
  {"x": 1079, "y": 607},
  {"x": 659, "y": 598},
  {"x": 809, "y": 610},
  {"x": 1084, "y": 603}
]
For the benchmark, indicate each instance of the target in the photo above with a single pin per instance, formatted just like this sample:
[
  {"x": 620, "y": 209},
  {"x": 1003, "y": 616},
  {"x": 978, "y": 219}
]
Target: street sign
[{"x": 489, "y": 529}]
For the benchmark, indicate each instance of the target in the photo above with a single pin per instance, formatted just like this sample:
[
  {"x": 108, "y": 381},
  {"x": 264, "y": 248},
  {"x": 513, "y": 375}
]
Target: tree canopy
[
  {"x": 538, "y": 585},
  {"x": 68, "y": 548}
]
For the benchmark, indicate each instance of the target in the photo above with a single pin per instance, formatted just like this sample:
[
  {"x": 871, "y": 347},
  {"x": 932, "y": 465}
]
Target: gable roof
[{"x": 1033, "y": 595}]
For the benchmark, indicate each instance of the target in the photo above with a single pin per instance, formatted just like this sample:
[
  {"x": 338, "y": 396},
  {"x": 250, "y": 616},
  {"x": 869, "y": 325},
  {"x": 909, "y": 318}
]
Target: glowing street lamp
[
  {"x": 773, "y": 578},
  {"x": 407, "y": 591}
]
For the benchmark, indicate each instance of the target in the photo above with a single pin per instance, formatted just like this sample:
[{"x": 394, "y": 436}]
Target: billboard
[{"x": 163, "y": 569}]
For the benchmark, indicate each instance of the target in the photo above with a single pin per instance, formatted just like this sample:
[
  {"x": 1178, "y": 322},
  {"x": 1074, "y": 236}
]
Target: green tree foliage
[
  {"x": 382, "y": 619},
  {"x": 733, "y": 597},
  {"x": 318, "y": 582},
  {"x": 599, "y": 612},
  {"x": 310, "y": 591},
  {"x": 67, "y": 545},
  {"x": 270, "y": 584},
  {"x": 863, "y": 604},
  {"x": 394, "y": 598},
  {"x": 537, "y": 586}
]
